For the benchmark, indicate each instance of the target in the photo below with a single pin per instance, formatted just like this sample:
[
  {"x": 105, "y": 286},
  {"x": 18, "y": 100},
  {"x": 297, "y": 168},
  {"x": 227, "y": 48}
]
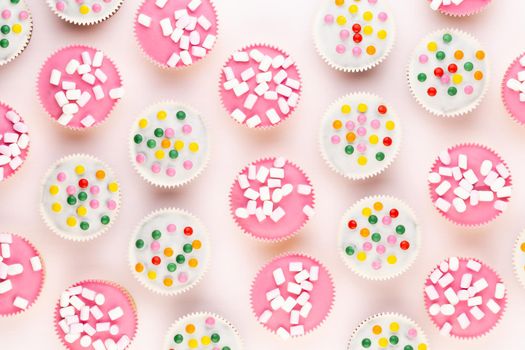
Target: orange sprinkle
[
  {"x": 350, "y": 137},
  {"x": 101, "y": 174},
  {"x": 478, "y": 75}
]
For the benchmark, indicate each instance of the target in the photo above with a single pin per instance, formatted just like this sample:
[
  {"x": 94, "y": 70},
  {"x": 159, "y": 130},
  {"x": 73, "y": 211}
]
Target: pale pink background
[{"x": 236, "y": 258}]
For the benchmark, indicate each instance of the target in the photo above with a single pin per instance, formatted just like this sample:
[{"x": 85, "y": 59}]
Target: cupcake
[
  {"x": 464, "y": 298},
  {"x": 458, "y": 8},
  {"x": 360, "y": 136},
  {"x": 448, "y": 73},
  {"x": 260, "y": 86},
  {"x": 169, "y": 144},
  {"x": 388, "y": 330},
  {"x": 354, "y": 36},
  {"x": 470, "y": 184},
  {"x": 271, "y": 199},
  {"x": 80, "y": 197},
  {"x": 16, "y": 26},
  {"x": 513, "y": 89},
  {"x": 14, "y": 142},
  {"x": 379, "y": 237},
  {"x": 78, "y": 86},
  {"x": 202, "y": 330},
  {"x": 95, "y": 315},
  {"x": 21, "y": 274},
  {"x": 84, "y": 12},
  {"x": 176, "y": 34},
  {"x": 519, "y": 258},
  {"x": 292, "y": 295},
  {"x": 169, "y": 251}
]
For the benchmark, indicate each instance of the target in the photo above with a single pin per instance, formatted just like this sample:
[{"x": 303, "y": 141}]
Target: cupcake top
[
  {"x": 519, "y": 258},
  {"x": 169, "y": 251},
  {"x": 513, "y": 89},
  {"x": 16, "y": 25},
  {"x": 470, "y": 184},
  {"x": 169, "y": 144},
  {"x": 80, "y": 197},
  {"x": 379, "y": 237},
  {"x": 260, "y": 86},
  {"x": 354, "y": 35},
  {"x": 79, "y": 86},
  {"x": 292, "y": 295},
  {"x": 84, "y": 12},
  {"x": 176, "y": 34},
  {"x": 202, "y": 331},
  {"x": 360, "y": 136},
  {"x": 14, "y": 141},
  {"x": 464, "y": 297},
  {"x": 448, "y": 73},
  {"x": 390, "y": 331},
  {"x": 271, "y": 199},
  {"x": 95, "y": 315},
  {"x": 21, "y": 274},
  {"x": 458, "y": 8}
]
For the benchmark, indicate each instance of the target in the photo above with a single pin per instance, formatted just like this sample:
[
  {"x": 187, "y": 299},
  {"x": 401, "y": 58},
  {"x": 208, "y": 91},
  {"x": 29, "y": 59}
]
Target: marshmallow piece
[
  {"x": 277, "y": 195},
  {"x": 265, "y": 316},
  {"x": 89, "y": 78},
  {"x": 277, "y": 303},
  {"x": 228, "y": 73},
  {"x": 274, "y": 293},
  {"x": 194, "y": 5},
  {"x": 435, "y": 4},
  {"x": 15, "y": 163},
  {"x": 283, "y": 333},
  {"x": 240, "y": 89},
  {"x": 6, "y": 238},
  {"x": 98, "y": 59},
  {"x": 474, "y": 198},
  {"x": 470, "y": 176},
  {"x": 144, "y": 20},
  {"x": 71, "y": 337},
  {"x": 451, "y": 296},
  {"x": 247, "y": 74},
  {"x": 96, "y": 312},
  {"x": 84, "y": 99},
  {"x": 98, "y": 92},
  {"x": 177, "y": 35},
  {"x": 279, "y": 77},
  {"x": 250, "y": 101},
  {"x": 265, "y": 63},
  {"x": 283, "y": 90},
  {"x": 73, "y": 95},
  {"x": 263, "y": 77},
  {"x": 123, "y": 342},
  {"x": 242, "y": 179},
  {"x": 447, "y": 309},
  {"x": 14, "y": 149},
  {"x": 85, "y": 341},
  {"x": 500, "y": 205},
  {"x": 61, "y": 99},
  {"x": 289, "y": 304},
  {"x": 436, "y": 275},
  {"x": 99, "y": 344},
  {"x": 262, "y": 174},
  {"x": 463, "y": 295},
  {"x": 83, "y": 69},
  {"x": 260, "y": 215},
  {"x": 499, "y": 293},
  {"x": 443, "y": 267},
  {"x": 486, "y": 196},
  {"x": 502, "y": 170},
  {"x": 5, "y": 250},
  {"x": 475, "y": 301},
  {"x": 204, "y": 22},
  {"x": 431, "y": 292},
  {"x": 459, "y": 205},
  {"x": 453, "y": 264},
  {"x": 64, "y": 119},
  {"x": 116, "y": 313},
  {"x": 294, "y": 317},
  {"x": 301, "y": 276},
  {"x": 67, "y": 311},
  {"x": 277, "y": 214},
  {"x": 297, "y": 330},
  {"x": 474, "y": 265},
  {"x": 161, "y": 3},
  {"x": 251, "y": 194},
  {"x": 480, "y": 285},
  {"x": 102, "y": 326},
  {"x": 444, "y": 157},
  {"x": 434, "y": 178},
  {"x": 271, "y": 96},
  {"x": 434, "y": 309},
  {"x": 443, "y": 188},
  {"x": 252, "y": 172},
  {"x": 72, "y": 66},
  {"x": 463, "y": 321},
  {"x": 20, "y": 303},
  {"x": 64, "y": 326},
  {"x": 166, "y": 26},
  {"x": 274, "y": 183},
  {"x": 238, "y": 115},
  {"x": 268, "y": 208},
  {"x": 273, "y": 116},
  {"x": 305, "y": 310},
  {"x": 446, "y": 280},
  {"x": 293, "y": 100},
  {"x": 477, "y": 313},
  {"x": 486, "y": 167},
  {"x": 466, "y": 280},
  {"x": 293, "y": 84},
  {"x": 241, "y": 56},
  {"x": 100, "y": 299},
  {"x": 70, "y": 108},
  {"x": 504, "y": 192},
  {"x": 493, "y": 306},
  {"x": 444, "y": 171},
  {"x": 283, "y": 106},
  {"x": 116, "y": 93},
  {"x": 15, "y": 269},
  {"x": 278, "y": 276},
  {"x": 76, "y": 302},
  {"x": 303, "y": 298},
  {"x": 461, "y": 193},
  {"x": 314, "y": 273},
  {"x": 55, "y": 77},
  {"x": 308, "y": 210},
  {"x": 261, "y": 88}
]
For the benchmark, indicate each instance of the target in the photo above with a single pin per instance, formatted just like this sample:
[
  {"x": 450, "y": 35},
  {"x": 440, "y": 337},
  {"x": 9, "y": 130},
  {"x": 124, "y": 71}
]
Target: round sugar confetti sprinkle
[
  {"x": 84, "y": 12},
  {"x": 16, "y": 25}
]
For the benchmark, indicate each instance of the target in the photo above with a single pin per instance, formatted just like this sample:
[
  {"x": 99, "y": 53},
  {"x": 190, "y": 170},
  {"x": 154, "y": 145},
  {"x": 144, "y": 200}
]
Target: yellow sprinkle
[
  {"x": 368, "y": 30},
  {"x": 152, "y": 275},
  {"x": 161, "y": 115},
  {"x": 361, "y": 256},
  {"x": 367, "y": 16},
  {"x": 394, "y": 327},
  {"x": 53, "y": 190},
  {"x": 56, "y": 207},
  {"x": 71, "y": 221},
  {"x": 179, "y": 145},
  {"x": 341, "y": 20},
  {"x": 366, "y": 212},
  {"x": 422, "y": 346},
  {"x": 345, "y": 109},
  {"x": 381, "y": 34},
  {"x": 143, "y": 123},
  {"x": 337, "y": 124},
  {"x": 383, "y": 342},
  {"x": 390, "y": 125},
  {"x": 194, "y": 147},
  {"x": 373, "y": 139},
  {"x": 353, "y": 9},
  {"x": 80, "y": 170},
  {"x": 378, "y": 206},
  {"x": 457, "y": 78},
  {"x": 432, "y": 46},
  {"x": 159, "y": 154},
  {"x": 391, "y": 259},
  {"x": 113, "y": 187},
  {"x": 17, "y": 28},
  {"x": 193, "y": 343},
  {"x": 84, "y": 9},
  {"x": 205, "y": 340},
  {"x": 362, "y": 160},
  {"x": 81, "y": 211},
  {"x": 362, "y": 108}
]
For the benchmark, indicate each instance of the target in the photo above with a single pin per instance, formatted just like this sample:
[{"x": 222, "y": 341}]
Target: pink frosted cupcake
[
  {"x": 513, "y": 89},
  {"x": 176, "y": 34},
  {"x": 271, "y": 199},
  {"x": 470, "y": 184},
  {"x": 21, "y": 274},
  {"x": 79, "y": 86},
  {"x": 292, "y": 295},
  {"x": 96, "y": 315},
  {"x": 458, "y": 8},
  {"x": 14, "y": 141},
  {"x": 260, "y": 86},
  {"x": 464, "y": 297}
]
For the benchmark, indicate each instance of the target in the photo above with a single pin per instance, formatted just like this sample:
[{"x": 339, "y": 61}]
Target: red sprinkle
[
  {"x": 438, "y": 72},
  {"x": 387, "y": 141},
  {"x": 404, "y": 245},
  {"x": 356, "y": 28},
  {"x": 83, "y": 183},
  {"x": 431, "y": 91},
  {"x": 358, "y": 38},
  {"x": 394, "y": 213},
  {"x": 452, "y": 68},
  {"x": 155, "y": 260},
  {"x": 352, "y": 224},
  {"x": 382, "y": 109},
  {"x": 188, "y": 231}
]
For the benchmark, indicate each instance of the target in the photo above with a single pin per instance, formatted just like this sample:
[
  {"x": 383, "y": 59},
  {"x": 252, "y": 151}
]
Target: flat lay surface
[{"x": 236, "y": 257}]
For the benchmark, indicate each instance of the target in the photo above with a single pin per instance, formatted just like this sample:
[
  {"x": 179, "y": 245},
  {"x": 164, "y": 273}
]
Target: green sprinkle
[
  {"x": 181, "y": 115},
  {"x": 372, "y": 219},
  {"x": 5, "y": 29},
  {"x": 380, "y": 156},
  {"x": 440, "y": 55},
  {"x": 71, "y": 200},
  {"x": 366, "y": 343},
  {"x": 139, "y": 244},
  {"x": 180, "y": 259},
  {"x": 226, "y": 348},
  {"x": 84, "y": 226},
  {"x": 82, "y": 196},
  {"x": 468, "y": 66},
  {"x": 152, "y": 143},
  {"x": 349, "y": 149},
  {"x": 452, "y": 91},
  {"x": 178, "y": 338},
  {"x": 104, "y": 220},
  {"x": 350, "y": 250},
  {"x": 156, "y": 234},
  {"x": 138, "y": 139},
  {"x": 159, "y": 132},
  {"x": 173, "y": 154},
  {"x": 422, "y": 77},
  {"x": 15, "y": 1},
  {"x": 376, "y": 237},
  {"x": 215, "y": 338},
  {"x": 400, "y": 229},
  {"x": 447, "y": 38},
  {"x": 187, "y": 248},
  {"x": 172, "y": 267},
  {"x": 408, "y": 347},
  {"x": 394, "y": 340}
]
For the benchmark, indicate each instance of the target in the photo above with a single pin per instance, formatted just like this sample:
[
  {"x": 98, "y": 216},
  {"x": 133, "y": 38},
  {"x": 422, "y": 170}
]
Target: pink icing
[
  {"x": 7, "y": 126},
  {"x": 98, "y": 109},
  {"x": 476, "y": 328},
  {"x": 231, "y": 102},
  {"x": 159, "y": 47},
  {"x": 115, "y": 296},
  {"x": 484, "y": 211},
  {"x": 321, "y": 297},
  {"x": 467, "y": 7},
  {"x": 292, "y": 204},
  {"x": 26, "y": 285},
  {"x": 511, "y": 98}
]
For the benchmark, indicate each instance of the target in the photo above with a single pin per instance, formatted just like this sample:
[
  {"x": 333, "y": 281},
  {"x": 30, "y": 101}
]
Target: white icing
[
  {"x": 71, "y": 10},
  {"x": 17, "y": 41}
]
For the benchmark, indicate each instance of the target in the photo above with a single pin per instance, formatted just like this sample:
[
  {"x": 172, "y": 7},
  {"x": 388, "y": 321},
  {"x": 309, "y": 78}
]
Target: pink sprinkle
[
  {"x": 445, "y": 79},
  {"x": 94, "y": 190},
  {"x": 361, "y": 118},
  {"x": 79, "y": 1},
  {"x": 96, "y": 8},
  {"x": 376, "y": 265},
  {"x": 93, "y": 204},
  {"x": 412, "y": 333},
  {"x": 380, "y": 249},
  {"x": 373, "y": 2},
  {"x": 387, "y": 220},
  {"x": 340, "y": 49},
  {"x": 155, "y": 168},
  {"x": 171, "y": 228},
  {"x": 361, "y": 148},
  {"x": 328, "y": 19},
  {"x": 382, "y": 16},
  {"x": 344, "y": 34},
  {"x": 187, "y": 164},
  {"x": 183, "y": 277},
  {"x": 61, "y": 177},
  {"x": 60, "y": 6},
  {"x": 112, "y": 205},
  {"x": 6, "y": 14},
  {"x": 186, "y": 129},
  {"x": 71, "y": 190},
  {"x": 391, "y": 239},
  {"x": 423, "y": 59},
  {"x": 170, "y": 172},
  {"x": 155, "y": 246},
  {"x": 367, "y": 246},
  {"x": 335, "y": 139},
  {"x": 23, "y": 15},
  {"x": 350, "y": 125},
  {"x": 356, "y": 51},
  {"x": 469, "y": 89},
  {"x": 169, "y": 132},
  {"x": 361, "y": 131},
  {"x": 375, "y": 124},
  {"x": 210, "y": 321},
  {"x": 106, "y": 1},
  {"x": 140, "y": 158}
]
